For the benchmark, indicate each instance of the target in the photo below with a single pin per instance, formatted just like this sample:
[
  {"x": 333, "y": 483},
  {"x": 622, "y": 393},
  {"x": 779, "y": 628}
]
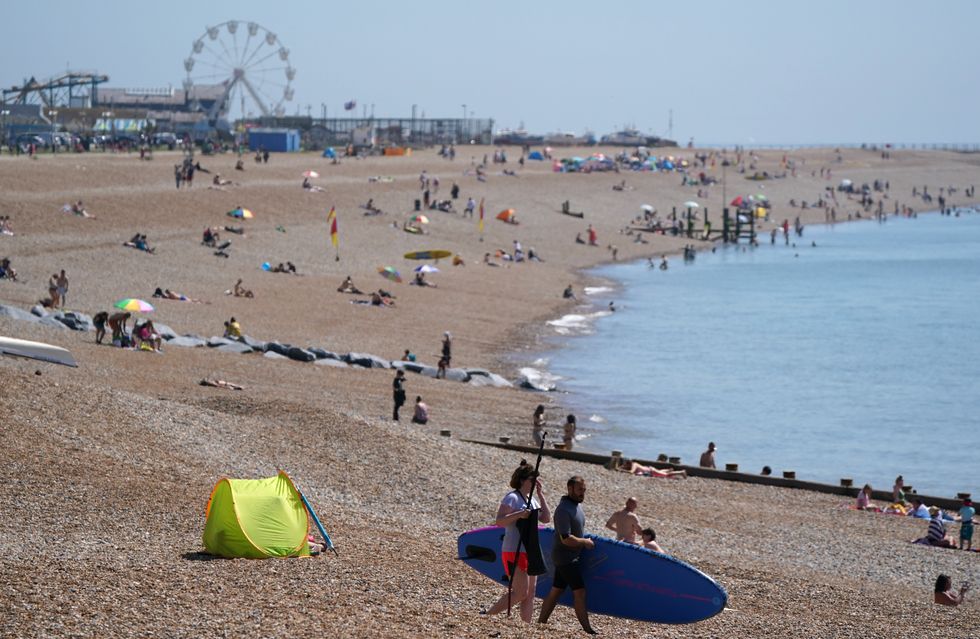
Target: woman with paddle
[{"x": 518, "y": 505}]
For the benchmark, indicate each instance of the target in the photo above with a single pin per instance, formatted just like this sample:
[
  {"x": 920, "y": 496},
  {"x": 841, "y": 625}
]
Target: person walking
[
  {"x": 566, "y": 554},
  {"x": 568, "y": 436},
  {"x": 398, "y": 387},
  {"x": 447, "y": 355},
  {"x": 513, "y": 508},
  {"x": 537, "y": 431}
]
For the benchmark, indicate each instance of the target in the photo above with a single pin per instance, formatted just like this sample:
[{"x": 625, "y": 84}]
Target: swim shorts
[
  {"x": 966, "y": 531},
  {"x": 569, "y": 576},
  {"x": 508, "y": 559}
]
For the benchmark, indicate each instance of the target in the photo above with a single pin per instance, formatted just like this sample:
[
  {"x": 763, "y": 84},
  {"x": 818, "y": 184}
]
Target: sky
[{"x": 723, "y": 72}]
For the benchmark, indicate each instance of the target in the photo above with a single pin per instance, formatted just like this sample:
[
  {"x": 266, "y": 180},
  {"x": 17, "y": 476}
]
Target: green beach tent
[{"x": 256, "y": 518}]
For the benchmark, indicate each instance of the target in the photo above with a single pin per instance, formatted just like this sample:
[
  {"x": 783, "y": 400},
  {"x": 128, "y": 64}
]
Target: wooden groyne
[{"x": 846, "y": 489}]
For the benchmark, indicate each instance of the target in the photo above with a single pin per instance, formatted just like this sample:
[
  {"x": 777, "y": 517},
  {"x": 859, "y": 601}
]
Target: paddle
[
  {"x": 319, "y": 526},
  {"x": 530, "y": 523}
]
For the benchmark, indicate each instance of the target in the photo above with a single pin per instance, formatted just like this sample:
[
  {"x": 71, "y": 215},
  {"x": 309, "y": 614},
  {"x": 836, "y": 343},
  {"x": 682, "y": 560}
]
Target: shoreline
[{"x": 560, "y": 340}]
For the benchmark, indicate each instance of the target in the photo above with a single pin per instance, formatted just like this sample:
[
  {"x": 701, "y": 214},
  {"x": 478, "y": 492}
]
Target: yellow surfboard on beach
[{"x": 428, "y": 255}]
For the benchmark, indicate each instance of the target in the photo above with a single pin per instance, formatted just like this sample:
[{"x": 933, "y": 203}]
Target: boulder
[
  {"x": 456, "y": 375},
  {"x": 489, "y": 380},
  {"x": 412, "y": 367},
  {"x": 39, "y": 310},
  {"x": 49, "y": 321},
  {"x": 215, "y": 341},
  {"x": 300, "y": 354},
  {"x": 366, "y": 360},
  {"x": 257, "y": 345},
  {"x": 189, "y": 341},
  {"x": 164, "y": 331},
  {"x": 15, "y": 313},
  {"x": 324, "y": 354},
  {"x": 335, "y": 363},
  {"x": 276, "y": 347},
  {"x": 234, "y": 347},
  {"x": 273, "y": 355},
  {"x": 75, "y": 321}
]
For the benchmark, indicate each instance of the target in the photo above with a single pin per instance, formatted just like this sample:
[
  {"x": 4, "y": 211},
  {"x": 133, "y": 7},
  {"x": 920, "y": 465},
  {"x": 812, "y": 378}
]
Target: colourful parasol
[
  {"x": 389, "y": 273},
  {"x": 134, "y": 305}
]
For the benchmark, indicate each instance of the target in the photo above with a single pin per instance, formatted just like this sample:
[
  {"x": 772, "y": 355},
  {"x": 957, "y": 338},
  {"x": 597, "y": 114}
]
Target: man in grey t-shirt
[{"x": 569, "y": 541}]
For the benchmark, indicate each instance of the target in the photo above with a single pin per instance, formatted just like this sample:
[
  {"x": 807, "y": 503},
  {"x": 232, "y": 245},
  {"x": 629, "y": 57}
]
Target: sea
[{"x": 853, "y": 351}]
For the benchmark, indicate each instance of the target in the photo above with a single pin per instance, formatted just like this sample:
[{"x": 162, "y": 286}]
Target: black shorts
[{"x": 569, "y": 576}]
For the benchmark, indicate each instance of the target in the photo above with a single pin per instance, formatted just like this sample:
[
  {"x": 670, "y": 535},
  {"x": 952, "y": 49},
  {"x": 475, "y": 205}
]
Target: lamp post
[
  {"x": 53, "y": 113},
  {"x": 3, "y": 134},
  {"x": 462, "y": 123}
]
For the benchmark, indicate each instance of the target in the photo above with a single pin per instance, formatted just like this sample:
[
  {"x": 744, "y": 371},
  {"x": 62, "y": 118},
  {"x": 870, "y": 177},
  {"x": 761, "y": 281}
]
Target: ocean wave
[
  {"x": 577, "y": 323},
  {"x": 596, "y": 290},
  {"x": 536, "y": 379}
]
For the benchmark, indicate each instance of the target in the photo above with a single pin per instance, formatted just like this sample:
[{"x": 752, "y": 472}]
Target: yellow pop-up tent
[{"x": 256, "y": 518}]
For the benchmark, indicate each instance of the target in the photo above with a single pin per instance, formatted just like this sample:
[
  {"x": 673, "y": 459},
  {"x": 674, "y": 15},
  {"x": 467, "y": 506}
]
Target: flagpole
[
  {"x": 481, "y": 219},
  {"x": 334, "y": 238}
]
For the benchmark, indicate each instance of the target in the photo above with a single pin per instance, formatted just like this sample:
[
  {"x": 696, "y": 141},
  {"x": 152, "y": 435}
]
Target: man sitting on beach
[
  {"x": 7, "y": 271},
  {"x": 240, "y": 291},
  {"x": 648, "y": 539},
  {"x": 625, "y": 523},
  {"x": 233, "y": 330},
  {"x": 347, "y": 286},
  {"x": 421, "y": 413},
  {"x": 708, "y": 457}
]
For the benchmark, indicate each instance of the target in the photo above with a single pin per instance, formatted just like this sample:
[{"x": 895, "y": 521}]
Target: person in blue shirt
[
  {"x": 565, "y": 555},
  {"x": 967, "y": 513}
]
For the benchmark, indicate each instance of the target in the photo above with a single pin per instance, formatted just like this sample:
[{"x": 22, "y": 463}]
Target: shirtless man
[
  {"x": 649, "y": 540},
  {"x": 708, "y": 456},
  {"x": 625, "y": 523},
  {"x": 117, "y": 323},
  {"x": 62, "y": 283}
]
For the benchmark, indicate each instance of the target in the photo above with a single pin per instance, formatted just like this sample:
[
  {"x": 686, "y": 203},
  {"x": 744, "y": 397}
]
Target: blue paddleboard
[{"x": 621, "y": 580}]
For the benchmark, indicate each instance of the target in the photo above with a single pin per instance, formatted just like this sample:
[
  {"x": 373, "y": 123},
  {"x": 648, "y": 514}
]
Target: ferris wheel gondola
[{"x": 248, "y": 62}]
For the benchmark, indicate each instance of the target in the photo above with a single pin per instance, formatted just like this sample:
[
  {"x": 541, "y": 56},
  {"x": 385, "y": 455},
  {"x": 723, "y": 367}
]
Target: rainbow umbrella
[
  {"x": 134, "y": 305},
  {"x": 389, "y": 273},
  {"x": 418, "y": 218},
  {"x": 241, "y": 213}
]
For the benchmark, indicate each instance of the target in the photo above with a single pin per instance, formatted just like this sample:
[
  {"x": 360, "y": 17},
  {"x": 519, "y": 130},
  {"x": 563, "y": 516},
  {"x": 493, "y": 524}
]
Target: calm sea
[{"x": 857, "y": 357}]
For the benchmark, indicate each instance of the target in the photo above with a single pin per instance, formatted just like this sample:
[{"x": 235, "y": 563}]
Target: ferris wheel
[{"x": 248, "y": 65}]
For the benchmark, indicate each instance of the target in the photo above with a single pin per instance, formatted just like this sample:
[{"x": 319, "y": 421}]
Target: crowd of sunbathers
[{"x": 144, "y": 335}]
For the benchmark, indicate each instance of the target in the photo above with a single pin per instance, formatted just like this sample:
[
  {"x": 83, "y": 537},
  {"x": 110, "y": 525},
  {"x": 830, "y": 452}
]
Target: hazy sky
[{"x": 732, "y": 72}]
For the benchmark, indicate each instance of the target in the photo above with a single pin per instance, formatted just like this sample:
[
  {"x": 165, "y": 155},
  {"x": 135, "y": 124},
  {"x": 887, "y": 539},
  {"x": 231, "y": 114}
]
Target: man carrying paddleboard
[{"x": 569, "y": 542}]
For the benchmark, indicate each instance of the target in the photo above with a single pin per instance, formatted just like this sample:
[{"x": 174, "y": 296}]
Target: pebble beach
[{"x": 106, "y": 469}]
